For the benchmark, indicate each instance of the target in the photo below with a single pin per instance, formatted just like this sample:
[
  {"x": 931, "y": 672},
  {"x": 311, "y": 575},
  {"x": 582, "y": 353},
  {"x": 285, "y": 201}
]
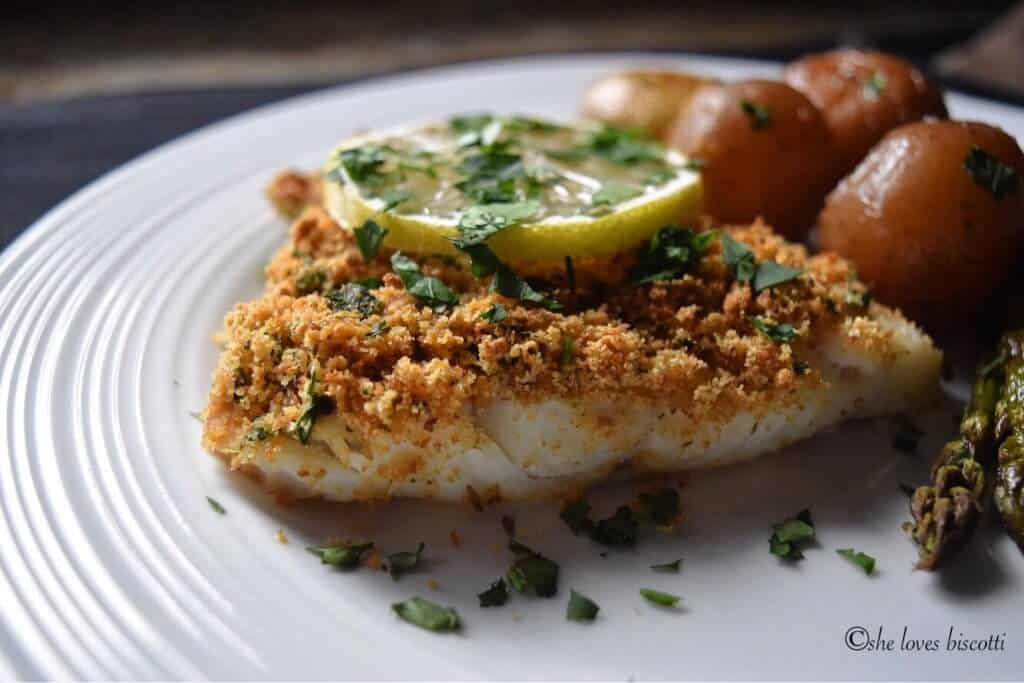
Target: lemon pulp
[{"x": 574, "y": 190}]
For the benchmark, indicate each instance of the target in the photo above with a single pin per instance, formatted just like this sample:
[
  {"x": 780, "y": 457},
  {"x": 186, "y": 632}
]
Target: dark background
[{"x": 84, "y": 88}]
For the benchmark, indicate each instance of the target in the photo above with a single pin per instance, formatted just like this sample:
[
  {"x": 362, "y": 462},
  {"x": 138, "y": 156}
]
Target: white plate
[{"x": 114, "y": 566}]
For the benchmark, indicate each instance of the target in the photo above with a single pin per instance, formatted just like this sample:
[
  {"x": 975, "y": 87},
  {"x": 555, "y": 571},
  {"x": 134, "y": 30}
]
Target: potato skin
[
  {"x": 922, "y": 233},
  {"x": 779, "y": 169},
  {"x": 641, "y": 98},
  {"x": 863, "y": 94}
]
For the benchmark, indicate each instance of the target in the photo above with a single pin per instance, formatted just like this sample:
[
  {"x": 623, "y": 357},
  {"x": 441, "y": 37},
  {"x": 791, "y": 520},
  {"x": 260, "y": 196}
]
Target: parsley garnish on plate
[
  {"x": 401, "y": 563},
  {"x": 363, "y": 163},
  {"x": 313, "y": 404},
  {"x": 353, "y": 296},
  {"x": 659, "y": 597},
  {"x": 760, "y": 115},
  {"x": 369, "y": 237},
  {"x": 790, "y": 536},
  {"x": 495, "y": 314},
  {"x": 427, "y": 614},
  {"x": 568, "y": 351},
  {"x": 780, "y": 333},
  {"x": 617, "y": 531},
  {"x": 623, "y": 146},
  {"x": 612, "y": 193},
  {"x": 670, "y": 253},
  {"x": 532, "y": 571},
  {"x": 581, "y": 608},
  {"x": 740, "y": 260},
  {"x": 341, "y": 555},
  {"x": 217, "y": 507},
  {"x": 771, "y": 273},
  {"x": 673, "y": 567},
  {"x": 862, "y": 560},
  {"x": 393, "y": 198},
  {"x": 428, "y": 290},
  {"x": 480, "y": 222},
  {"x": 495, "y": 596},
  {"x": 990, "y": 173},
  {"x": 576, "y": 515}
]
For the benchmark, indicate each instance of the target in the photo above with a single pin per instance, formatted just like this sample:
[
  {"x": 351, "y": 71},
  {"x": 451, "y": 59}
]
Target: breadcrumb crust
[{"x": 409, "y": 369}]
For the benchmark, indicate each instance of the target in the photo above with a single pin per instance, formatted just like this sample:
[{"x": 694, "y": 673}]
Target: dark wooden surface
[{"x": 52, "y": 143}]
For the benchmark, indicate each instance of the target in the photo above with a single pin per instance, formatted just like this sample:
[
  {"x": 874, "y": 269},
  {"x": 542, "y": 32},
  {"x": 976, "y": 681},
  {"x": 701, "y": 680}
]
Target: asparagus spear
[
  {"x": 1009, "y": 480},
  {"x": 946, "y": 511}
]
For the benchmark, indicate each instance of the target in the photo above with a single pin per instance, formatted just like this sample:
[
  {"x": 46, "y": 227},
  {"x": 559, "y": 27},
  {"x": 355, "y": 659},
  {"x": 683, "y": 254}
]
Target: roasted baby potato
[
  {"x": 863, "y": 95},
  {"x": 641, "y": 98},
  {"x": 765, "y": 149},
  {"x": 933, "y": 218}
]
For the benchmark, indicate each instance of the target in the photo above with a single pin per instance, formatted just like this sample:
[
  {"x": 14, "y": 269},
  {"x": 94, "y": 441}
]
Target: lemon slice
[{"x": 558, "y": 190}]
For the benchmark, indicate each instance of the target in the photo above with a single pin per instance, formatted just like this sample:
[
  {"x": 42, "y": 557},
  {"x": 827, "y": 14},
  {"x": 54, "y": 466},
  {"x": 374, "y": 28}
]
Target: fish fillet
[{"x": 665, "y": 378}]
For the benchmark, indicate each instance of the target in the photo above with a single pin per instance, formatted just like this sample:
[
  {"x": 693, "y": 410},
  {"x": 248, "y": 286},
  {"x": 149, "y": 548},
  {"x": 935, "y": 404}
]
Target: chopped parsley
[
  {"x": 495, "y": 596},
  {"x": 568, "y": 351},
  {"x": 670, "y": 253},
  {"x": 393, "y": 198},
  {"x": 581, "y": 608},
  {"x": 771, "y": 273},
  {"x": 353, "y": 296},
  {"x": 610, "y": 194},
  {"x": 661, "y": 177},
  {"x": 659, "y": 597},
  {"x": 790, "y": 536},
  {"x": 862, "y": 560},
  {"x": 364, "y": 163},
  {"x": 480, "y": 222},
  {"x": 217, "y": 507},
  {"x": 313, "y": 403},
  {"x": 378, "y": 328},
  {"x": 490, "y": 177},
  {"x": 875, "y": 84},
  {"x": 673, "y": 567},
  {"x": 617, "y": 531},
  {"x": 427, "y": 614},
  {"x": 623, "y": 146},
  {"x": 507, "y": 283},
  {"x": 369, "y": 237},
  {"x": 532, "y": 571},
  {"x": 576, "y": 515},
  {"x": 341, "y": 555},
  {"x": 739, "y": 258},
  {"x": 495, "y": 314},
  {"x": 401, "y": 563},
  {"x": 780, "y": 333},
  {"x": 429, "y": 290},
  {"x": 309, "y": 280},
  {"x": 990, "y": 173},
  {"x": 760, "y": 115},
  {"x": 468, "y": 123},
  {"x": 905, "y": 434}
]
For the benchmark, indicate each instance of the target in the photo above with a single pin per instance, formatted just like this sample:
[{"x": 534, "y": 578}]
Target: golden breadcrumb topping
[{"x": 690, "y": 340}]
